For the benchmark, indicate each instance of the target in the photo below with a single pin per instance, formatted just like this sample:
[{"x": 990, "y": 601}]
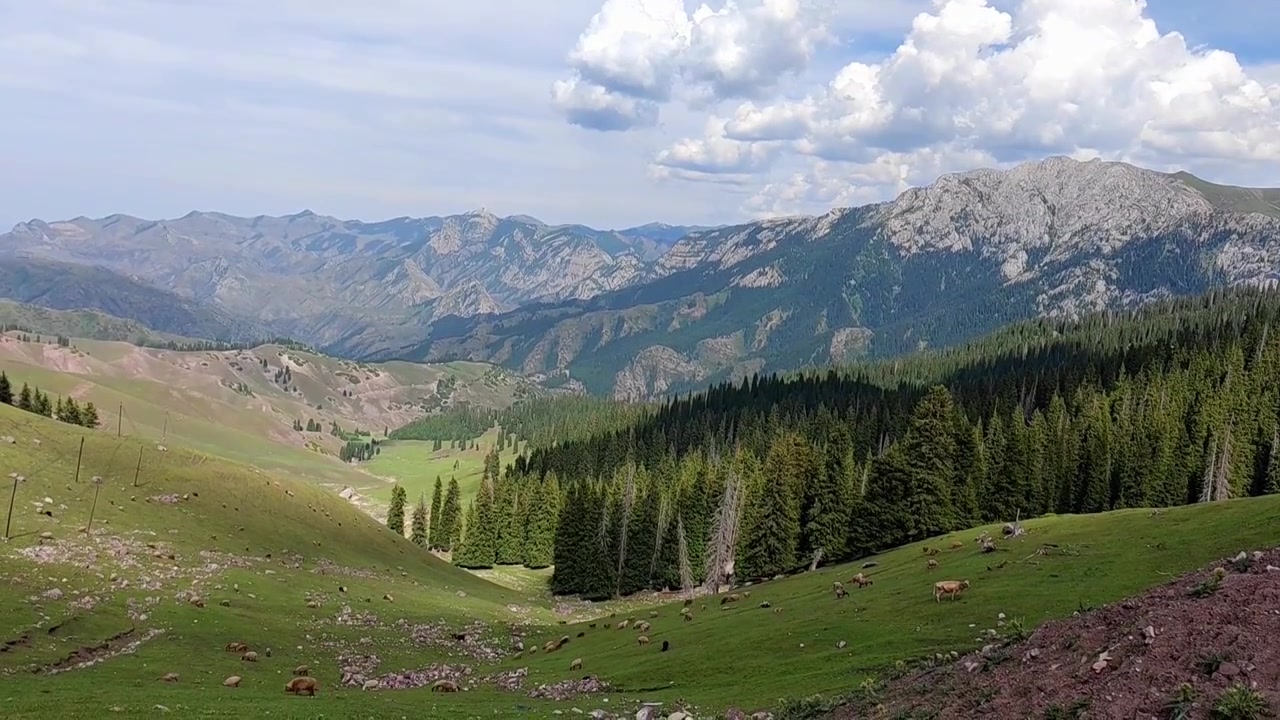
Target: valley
[
  {"x": 149, "y": 551},
  {"x": 1045, "y": 390},
  {"x": 204, "y": 552},
  {"x": 240, "y": 404}
]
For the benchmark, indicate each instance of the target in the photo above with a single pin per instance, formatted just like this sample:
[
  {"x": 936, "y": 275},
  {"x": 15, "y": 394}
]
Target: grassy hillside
[
  {"x": 264, "y": 543},
  {"x": 749, "y": 657},
  {"x": 415, "y": 464},
  {"x": 229, "y": 404},
  {"x": 261, "y": 542},
  {"x": 83, "y": 324},
  {"x": 1235, "y": 199}
]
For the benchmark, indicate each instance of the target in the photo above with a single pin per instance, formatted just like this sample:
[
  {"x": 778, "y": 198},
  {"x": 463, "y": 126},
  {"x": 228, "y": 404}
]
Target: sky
[{"x": 610, "y": 113}]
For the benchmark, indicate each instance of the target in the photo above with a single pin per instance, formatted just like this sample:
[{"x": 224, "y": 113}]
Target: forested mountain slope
[
  {"x": 1170, "y": 405},
  {"x": 938, "y": 265}
]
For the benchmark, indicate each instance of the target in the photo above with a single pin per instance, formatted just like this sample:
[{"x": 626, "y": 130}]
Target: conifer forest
[{"x": 1175, "y": 403}]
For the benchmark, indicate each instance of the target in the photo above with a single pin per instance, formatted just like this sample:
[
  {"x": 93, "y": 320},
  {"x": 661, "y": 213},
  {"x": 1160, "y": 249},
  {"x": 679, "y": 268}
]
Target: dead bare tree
[
  {"x": 1217, "y": 474},
  {"x": 817, "y": 558},
  {"x": 686, "y": 570},
  {"x": 1222, "y": 479},
  {"x": 664, "y": 522},
  {"x": 724, "y": 535},
  {"x": 628, "y": 500},
  {"x": 1206, "y": 484}
]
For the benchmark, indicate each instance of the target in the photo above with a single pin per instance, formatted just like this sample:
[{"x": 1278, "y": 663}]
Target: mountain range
[{"x": 655, "y": 309}]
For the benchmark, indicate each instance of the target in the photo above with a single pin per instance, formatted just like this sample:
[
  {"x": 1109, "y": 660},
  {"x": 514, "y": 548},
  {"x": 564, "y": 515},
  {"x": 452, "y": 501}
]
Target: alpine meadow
[{"x": 626, "y": 359}]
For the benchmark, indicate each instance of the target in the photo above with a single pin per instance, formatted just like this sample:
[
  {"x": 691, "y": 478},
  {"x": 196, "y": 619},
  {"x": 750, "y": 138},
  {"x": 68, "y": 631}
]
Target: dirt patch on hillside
[{"x": 1122, "y": 661}]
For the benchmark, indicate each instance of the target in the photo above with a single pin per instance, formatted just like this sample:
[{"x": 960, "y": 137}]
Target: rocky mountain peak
[{"x": 1052, "y": 207}]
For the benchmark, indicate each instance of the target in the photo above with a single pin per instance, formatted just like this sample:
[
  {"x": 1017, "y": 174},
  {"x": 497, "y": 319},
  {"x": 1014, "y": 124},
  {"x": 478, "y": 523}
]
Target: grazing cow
[
  {"x": 948, "y": 587},
  {"x": 576, "y": 664},
  {"x": 643, "y": 640}
]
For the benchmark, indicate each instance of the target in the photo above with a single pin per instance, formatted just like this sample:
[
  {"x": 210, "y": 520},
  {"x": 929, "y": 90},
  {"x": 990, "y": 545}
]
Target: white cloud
[
  {"x": 644, "y": 51},
  {"x": 976, "y": 83}
]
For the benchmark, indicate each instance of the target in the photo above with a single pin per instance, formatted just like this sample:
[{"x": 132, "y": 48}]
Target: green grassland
[
  {"x": 743, "y": 655},
  {"x": 226, "y": 404},
  {"x": 254, "y": 539},
  {"x": 750, "y": 657},
  {"x": 416, "y": 465}
]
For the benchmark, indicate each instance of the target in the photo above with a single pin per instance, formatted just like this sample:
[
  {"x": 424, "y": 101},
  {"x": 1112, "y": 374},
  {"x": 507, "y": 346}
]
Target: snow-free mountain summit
[{"x": 640, "y": 312}]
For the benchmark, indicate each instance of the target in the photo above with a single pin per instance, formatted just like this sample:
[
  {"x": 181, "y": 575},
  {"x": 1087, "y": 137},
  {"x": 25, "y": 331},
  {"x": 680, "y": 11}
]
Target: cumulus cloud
[
  {"x": 636, "y": 54},
  {"x": 976, "y": 83}
]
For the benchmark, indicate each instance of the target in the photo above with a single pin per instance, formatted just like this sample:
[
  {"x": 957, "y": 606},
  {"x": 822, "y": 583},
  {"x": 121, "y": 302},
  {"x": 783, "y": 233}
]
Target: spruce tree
[
  {"x": 1271, "y": 481},
  {"x": 89, "y": 417},
  {"x": 930, "y": 451},
  {"x": 437, "y": 521},
  {"x": 463, "y": 555},
  {"x": 508, "y": 529},
  {"x": 40, "y": 403},
  {"x": 24, "y": 399},
  {"x": 6, "y": 390},
  {"x": 418, "y": 533},
  {"x": 826, "y": 513},
  {"x": 451, "y": 517},
  {"x": 568, "y": 556},
  {"x": 479, "y": 538},
  {"x": 773, "y": 532},
  {"x": 395, "y": 514},
  {"x": 543, "y": 516},
  {"x": 71, "y": 412},
  {"x": 642, "y": 539}
]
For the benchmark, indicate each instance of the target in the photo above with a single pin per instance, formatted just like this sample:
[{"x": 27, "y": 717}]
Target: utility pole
[
  {"x": 97, "y": 488},
  {"x": 79, "y": 457},
  {"x": 120, "y": 420},
  {"x": 138, "y": 469},
  {"x": 16, "y": 479}
]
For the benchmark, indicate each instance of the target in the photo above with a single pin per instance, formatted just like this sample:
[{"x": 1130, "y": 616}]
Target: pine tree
[
  {"x": 543, "y": 517},
  {"x": 773, "y": 527},
  {"x": 71, "y": 412},
  {"x": 40, "y": 403},
  {"x": 463, "y": 555},
  {"x": 418, "y": 533},
  {"x": 89, "y": 417},
  {"x": 1271, "y": 480},
  {"x": 507, "y": 527},
  {"x": 480, "y": 537},
  {"x": 826, "y": 513},
  {"x": 395, "y": 514},
  {"x": 24, "y": 399},
  {"x": 451, "y": 518},
  {"x": 436, "y": 519},
  {"x": 6, "y": 390}
]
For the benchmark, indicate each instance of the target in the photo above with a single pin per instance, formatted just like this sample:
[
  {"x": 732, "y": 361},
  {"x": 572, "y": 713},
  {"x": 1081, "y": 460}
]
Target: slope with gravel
[{"x": 1173, "y": 651}]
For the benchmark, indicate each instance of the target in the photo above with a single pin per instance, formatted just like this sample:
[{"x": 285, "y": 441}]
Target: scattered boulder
[
  {"x": 169, "y": 677},
  {"x": 233, "y": 681}
]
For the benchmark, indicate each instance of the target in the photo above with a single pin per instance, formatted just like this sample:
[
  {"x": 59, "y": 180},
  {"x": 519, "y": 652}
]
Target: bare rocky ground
[{"x": 1192, "y": 639}]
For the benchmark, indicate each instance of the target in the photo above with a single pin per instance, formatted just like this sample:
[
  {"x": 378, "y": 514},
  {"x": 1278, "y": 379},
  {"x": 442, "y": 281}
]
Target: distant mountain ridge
[
  {"x": 654, "y": 309},
  {"x": 353, "y": 286},
  {"x": 938, "y": 265}
]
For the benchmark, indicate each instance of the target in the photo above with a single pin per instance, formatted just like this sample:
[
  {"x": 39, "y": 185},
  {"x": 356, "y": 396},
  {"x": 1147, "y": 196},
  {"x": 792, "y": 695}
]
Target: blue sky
[{"x": 650, "y": 110}]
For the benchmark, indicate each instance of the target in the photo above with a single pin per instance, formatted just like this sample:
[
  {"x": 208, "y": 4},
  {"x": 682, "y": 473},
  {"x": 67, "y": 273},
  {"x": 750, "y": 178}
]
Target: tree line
[
  {"x": 509, "y": 522},
  {"x": 437, "y": 528},
  {"x": 1173, "y": 404},
  {"x": 33, "y": 400}
]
